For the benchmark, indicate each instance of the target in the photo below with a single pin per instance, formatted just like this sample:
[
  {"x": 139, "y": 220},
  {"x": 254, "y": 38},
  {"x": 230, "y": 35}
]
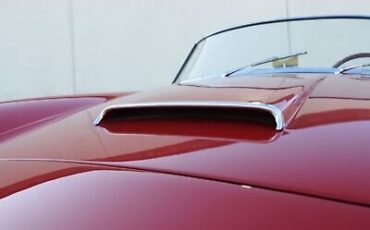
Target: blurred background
[{"x": 61, "y": 47}]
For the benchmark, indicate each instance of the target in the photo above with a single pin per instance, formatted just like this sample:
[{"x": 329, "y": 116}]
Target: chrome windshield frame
[{"x": 365, "y": 17}]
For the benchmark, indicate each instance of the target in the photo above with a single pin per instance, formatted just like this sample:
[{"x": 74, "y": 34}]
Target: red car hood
[
  {"x": 77, "y": 196},
  {"x": 323, "y": 152}
]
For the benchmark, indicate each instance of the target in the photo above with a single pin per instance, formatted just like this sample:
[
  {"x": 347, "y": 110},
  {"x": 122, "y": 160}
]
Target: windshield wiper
[
  {"x": 264, "y": 61},
  {"x": 345, "y": 69}
]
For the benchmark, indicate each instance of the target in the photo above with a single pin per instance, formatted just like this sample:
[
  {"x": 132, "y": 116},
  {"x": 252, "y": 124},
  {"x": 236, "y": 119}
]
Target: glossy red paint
[
  {"x": 75, "y": 196},
  {"x": 21, "y": 116},
  {"x": 313, "y": 172}
]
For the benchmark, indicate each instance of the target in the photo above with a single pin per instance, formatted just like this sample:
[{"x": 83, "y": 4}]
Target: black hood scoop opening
[{"x": 230, "y": 111}]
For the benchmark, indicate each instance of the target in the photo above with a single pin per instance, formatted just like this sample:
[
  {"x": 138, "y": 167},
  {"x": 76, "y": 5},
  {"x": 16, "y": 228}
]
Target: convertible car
[{"x": 266, "y": 126}]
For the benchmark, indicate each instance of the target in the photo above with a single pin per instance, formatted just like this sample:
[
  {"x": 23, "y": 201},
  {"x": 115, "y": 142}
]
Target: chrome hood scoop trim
[{"x": 275, "y": 111}]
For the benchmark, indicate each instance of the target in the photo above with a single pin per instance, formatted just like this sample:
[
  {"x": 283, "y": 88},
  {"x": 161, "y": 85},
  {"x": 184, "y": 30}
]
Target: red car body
[{"x": 60, "y": 171}]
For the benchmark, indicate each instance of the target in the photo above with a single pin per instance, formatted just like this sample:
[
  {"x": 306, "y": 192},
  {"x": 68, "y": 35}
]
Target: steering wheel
[{"x": 351, "y": 57}]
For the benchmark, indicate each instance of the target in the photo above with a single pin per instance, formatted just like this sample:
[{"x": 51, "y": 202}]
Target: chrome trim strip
[{"x": 275, "y": 111}]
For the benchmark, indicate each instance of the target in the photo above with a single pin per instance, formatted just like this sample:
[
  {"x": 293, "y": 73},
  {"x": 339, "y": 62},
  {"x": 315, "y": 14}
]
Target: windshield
[{"x": 313, "y": 45}]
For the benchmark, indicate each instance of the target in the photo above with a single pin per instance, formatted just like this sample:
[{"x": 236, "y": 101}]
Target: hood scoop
[
  {"x": 226, "y": 110},
  {"x": 273, "y": 101}
]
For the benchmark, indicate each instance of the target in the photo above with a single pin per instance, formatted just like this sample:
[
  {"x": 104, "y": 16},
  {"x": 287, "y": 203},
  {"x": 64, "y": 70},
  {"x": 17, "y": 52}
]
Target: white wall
[
  {"x": 35, "y": 48},
  {"x": 81, "y": 46}
]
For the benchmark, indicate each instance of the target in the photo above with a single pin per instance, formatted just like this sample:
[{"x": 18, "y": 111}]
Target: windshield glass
[{"x": 299, "y": 45}]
